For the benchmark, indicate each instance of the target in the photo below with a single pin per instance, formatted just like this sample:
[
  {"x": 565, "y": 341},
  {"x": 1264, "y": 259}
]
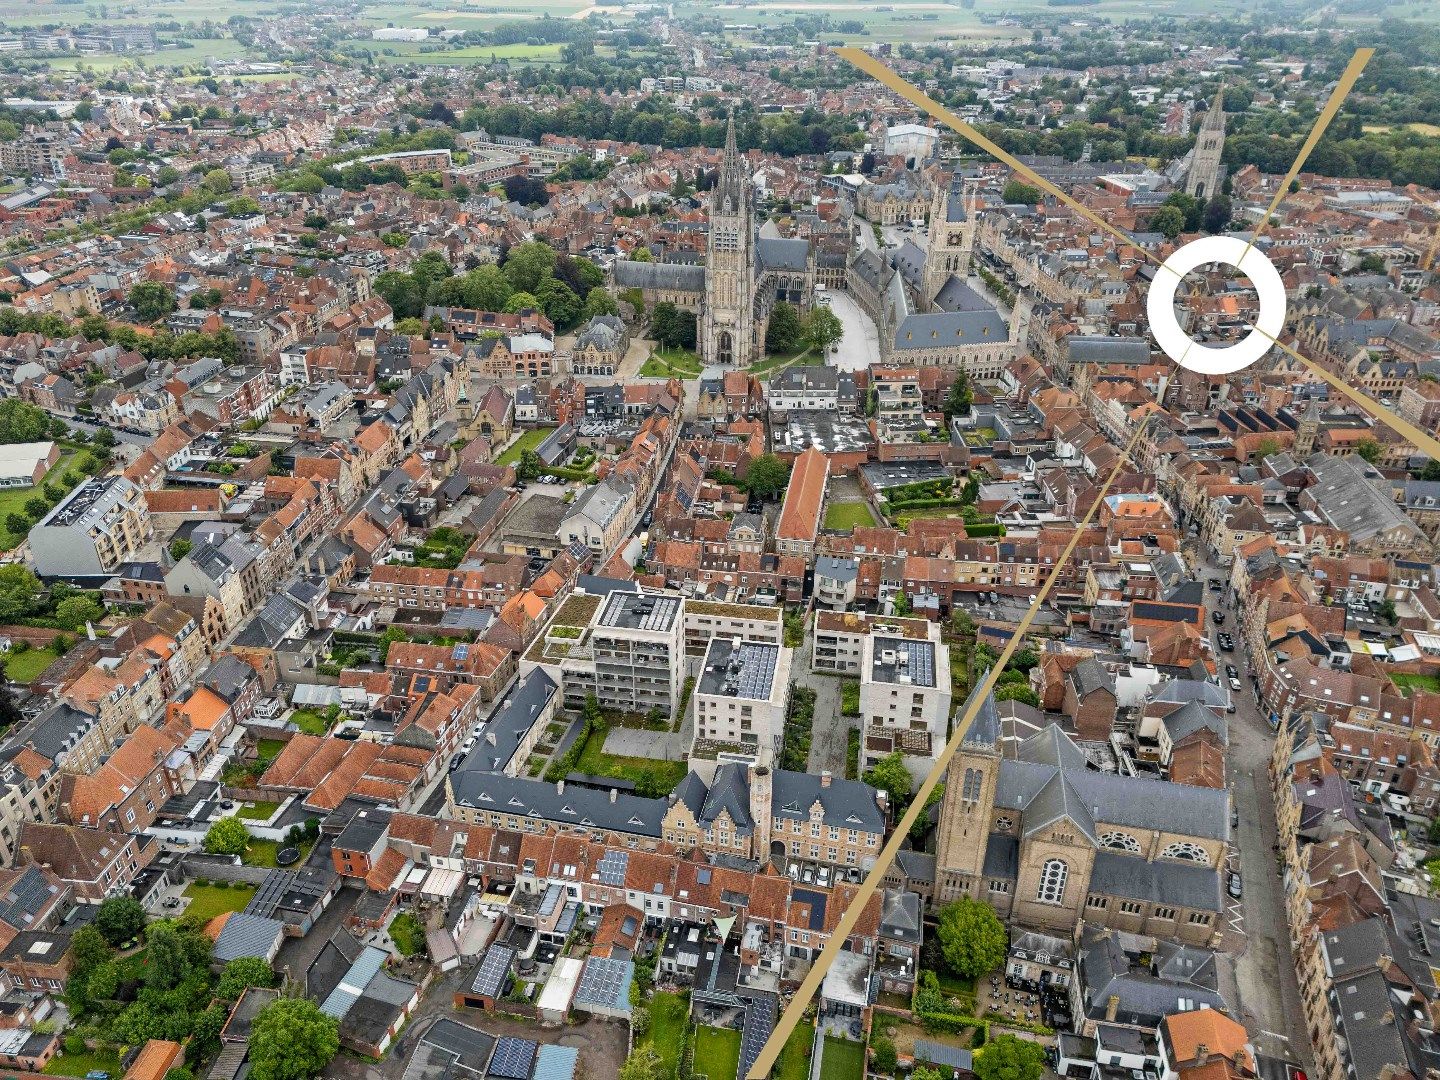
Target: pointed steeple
[
  {"x": 1215, "y": 116},
  {"x": 730, "y": 135}
]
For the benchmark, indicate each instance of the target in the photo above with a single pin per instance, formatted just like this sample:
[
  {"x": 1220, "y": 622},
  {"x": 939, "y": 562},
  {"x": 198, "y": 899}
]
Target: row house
[{"x": 428, "y": 589}]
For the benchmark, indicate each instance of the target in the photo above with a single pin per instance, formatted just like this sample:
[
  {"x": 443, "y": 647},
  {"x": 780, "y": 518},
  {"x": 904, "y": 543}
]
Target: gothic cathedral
[{"x": 727, "y": 335}]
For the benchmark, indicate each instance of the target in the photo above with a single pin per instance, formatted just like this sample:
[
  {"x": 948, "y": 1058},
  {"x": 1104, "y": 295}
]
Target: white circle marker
[{"x": 1206, "y": 359}]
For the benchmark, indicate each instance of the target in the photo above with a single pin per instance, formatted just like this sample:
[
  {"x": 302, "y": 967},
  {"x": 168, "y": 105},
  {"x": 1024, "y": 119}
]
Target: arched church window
[
  {"x": 1120, "y": 841},
  {"x": 1052, "y": 882},
  {"x": 1183, "y": 849}
]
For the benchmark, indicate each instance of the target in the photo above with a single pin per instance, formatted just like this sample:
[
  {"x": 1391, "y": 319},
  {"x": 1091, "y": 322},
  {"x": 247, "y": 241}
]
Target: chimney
[
  {"x": 614, "y": 793},
  {"x": 1112, "y": 1008},
  {"x": 559, "y": 787},
  {"x": 1202, "y": 1054},
  {"x": 825, "y": 778}
]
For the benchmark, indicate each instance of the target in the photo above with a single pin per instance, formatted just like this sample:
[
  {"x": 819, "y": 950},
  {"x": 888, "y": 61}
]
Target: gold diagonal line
[
  {"x": 917, "y": 97},
  {"x": 1342, "y": 90},
  {"x": 1421, "y": 439},
  {"x": 846, "y": 926}
]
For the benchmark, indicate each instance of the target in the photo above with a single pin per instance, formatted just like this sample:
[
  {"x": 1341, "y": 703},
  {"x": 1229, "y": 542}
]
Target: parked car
[
  {"x": 1235, "y": 685},
  {"x": 1218, "y": 617},
  {"x": 1234, "y": 886}
]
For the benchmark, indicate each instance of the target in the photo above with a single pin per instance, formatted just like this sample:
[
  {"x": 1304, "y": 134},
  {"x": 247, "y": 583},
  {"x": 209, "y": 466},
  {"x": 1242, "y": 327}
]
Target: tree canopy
[
  {"x": 120, "y": 919},
  {"x": 1006, "y": 1057},
  {"x": 291, "y": 1039},
  {"x": 972, "y": 938},
  {"x": 228, "y": 836}
]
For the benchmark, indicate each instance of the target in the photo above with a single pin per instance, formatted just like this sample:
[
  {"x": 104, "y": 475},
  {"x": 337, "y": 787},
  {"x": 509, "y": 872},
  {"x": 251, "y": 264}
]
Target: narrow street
[{"x": 1265, "y": 962}]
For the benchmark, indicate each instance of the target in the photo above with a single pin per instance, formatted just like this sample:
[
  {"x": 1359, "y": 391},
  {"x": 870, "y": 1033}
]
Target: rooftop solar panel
[{"x": 513, "y": 1058}]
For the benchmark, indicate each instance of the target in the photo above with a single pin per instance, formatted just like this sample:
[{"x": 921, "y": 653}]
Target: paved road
[
  {"x": 1274, "y": 1019},
  {"x": 830, "y": 733},
  {"x": 860, "y": 345}
]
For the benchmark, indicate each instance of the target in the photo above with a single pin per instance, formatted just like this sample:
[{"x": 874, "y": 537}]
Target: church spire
[
  {"x": 730, "y": 136},
  {"x": 1215, "y": 115}
]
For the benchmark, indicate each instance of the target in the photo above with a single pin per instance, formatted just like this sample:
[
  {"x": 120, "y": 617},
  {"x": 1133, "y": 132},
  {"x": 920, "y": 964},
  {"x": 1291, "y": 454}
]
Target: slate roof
[
  {"x": 652, "y": 275},
  {"x": 1192, "y": 717},
  {"x": 1089, "y": 796},
  {"x": 778, "y": 254},
  {"x": 1161, "y": 882},
  {"x": 247, "y": 935},
  {"x": 950, "y": 328}
]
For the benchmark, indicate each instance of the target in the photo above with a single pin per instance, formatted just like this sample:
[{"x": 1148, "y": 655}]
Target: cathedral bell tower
[
  {"x": 950, "y": 243},
  {"x": 727, "y": 335},
  {"x": 1203, "y": 179}
]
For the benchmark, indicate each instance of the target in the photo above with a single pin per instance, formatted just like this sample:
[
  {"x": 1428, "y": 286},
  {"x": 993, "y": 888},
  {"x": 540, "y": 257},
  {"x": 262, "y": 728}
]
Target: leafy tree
[
  {"x": 901, "y": 605},
  {"x": 291, "y": 1039},
  {"x": 972, "y": 939},
  {"x": 559, "y": 302},
  {"x": 960, "y": 396},
  {"x": 205, "y": 1032},
  {"x": 1189, "y": 205},
  {"x": 1266, "y": 447},
  {"x": 166, "y": 962},
  {"x": 76, "y": 611},
  {"x": 89, "y": 949},
  {"x": 599, "y": 302},
  {"x": 120, "y": 919},
  {"x": 391, "y": 635},
  {"x": 767, "y": 476},
  {"x": 1169, "y": 221},
  {"x": 104, "y": 437},
  {"x": 1017, "y": 691},
  {"x": 528, "y": 264},
  {"x": 782, "y": 332},
  {"x": 1430, "y": 472},
  {"x": 17, "y": 524},
  {"x": 1016, "y": 192},
  {"x": 241, "y": 205},
  {"x": 823, "y": 328},
  {"x": 1217, "y": 214},
  {"x": 179, "y": 1072},
  {"x": 1432, "y": 832},
  {"x": 644, "y": 1063},
  {"x": 884, "y": 1057},
  {"x": 1006, "y": 1057},
  {"x": 218, "y": 181},
  {"x": 641, "y": 254},
  {"x": 19, "y": 589},
  {"x": 1372, "y": 264},
  {"x": 179, "y": 548},
  {"x": 530, "y": 465},
  {"x": 1388, "y": 612},
  {"x": 22, "y": 422},
  {"x": 401, "y": 292},
  {"x": 1368, "y": 449},
  {"x": 925, "y": 1072},
  {"x": 228, "y": 836},
  {"x": 241, "y": 973},
  {"x": 890, "y": 775},
  {"x": 522, "y": 301}
]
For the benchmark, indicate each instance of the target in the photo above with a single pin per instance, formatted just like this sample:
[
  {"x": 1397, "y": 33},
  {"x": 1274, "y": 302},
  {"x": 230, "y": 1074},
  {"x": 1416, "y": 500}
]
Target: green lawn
[
  {"x": 207, "y": 901},
  {"x": 269, "y": 749},
  {"x": 12, "y": 501},
  {"x": 262, "y": 852},
  {"x": 777, "y": 362},
  {"x": 310, "y": 722},
  {"x": 1409, "y": 682},
  {"x": 669, "y": 1022},
  {"x": 794, "y": 1062},
  {"x": 653, "y": 777},
  {"x": 842, "y": 1059},
  {"x": 717, "y": 1053},
  {"x": 80, "y": 1064},
  {"x": 845, "y": 516},
  {"x": 672, "y": 363},
  {"x": 528, "y": 440},
  {"x": 27, "y": 666},
  {"x": 261, "y": 811}
]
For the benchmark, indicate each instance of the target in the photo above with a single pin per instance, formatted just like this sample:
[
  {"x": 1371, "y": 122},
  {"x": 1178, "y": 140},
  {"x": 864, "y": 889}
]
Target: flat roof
[
  {"x": 740, "y": 669},
  {"x": 901, "y": 660}
]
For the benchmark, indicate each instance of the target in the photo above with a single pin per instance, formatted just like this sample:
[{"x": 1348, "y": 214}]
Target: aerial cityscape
[{"x": 720, "y": 540}]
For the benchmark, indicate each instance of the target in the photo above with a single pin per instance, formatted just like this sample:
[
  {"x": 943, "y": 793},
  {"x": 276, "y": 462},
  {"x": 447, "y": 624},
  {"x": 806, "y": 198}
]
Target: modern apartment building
[
  {"x": 904, "y": 700},
  {"x": 740, "y": 701},
  {"x": 101, "y": 524}
]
